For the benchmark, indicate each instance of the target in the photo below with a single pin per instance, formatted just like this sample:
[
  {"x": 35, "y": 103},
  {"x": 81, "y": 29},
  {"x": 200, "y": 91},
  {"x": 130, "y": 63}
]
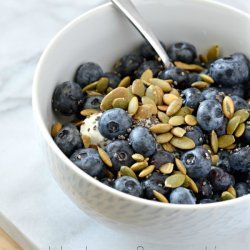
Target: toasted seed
[
  {"x": 138, "y": 88},
  {"x": 179, "y": 164},
  {"x": 200, "y": 85},
  {"x": 207, "y": 78},
  {"x": 130, "y": 94},
  {"x": 88, "y": 112},
  {"x": 92, "y": 93},
  {"x": 160, "y": 94},
  {"x": 160, "y": 197},
  {"x": 184, "y": 111},
  {"x": 162, "y": 117},
  {"x": 174, "y": 107},
  {"x": 147, "y": 100},
  {"x": 175, "y": 92},
  {"x": 162, "y": 108},
  {"x": 133, "y": 106},
  {"x": 151, "y": 92},
  {"x": 168, "y": 98},
  {"x": 243, "y": 114},
  {"x": 226, "y": 196},
  {"x": 213, "y": 53},
  {"x": 163, "y": 138},
  {"x": 232, "y": 191},
  {"x": 167, "y": 168},
  {"x": 232, "y": 124},
  {"x": 120, "y": 103},
  {"x": 138, "y": 166},
  {"x": 192, "y": 185},
  {"x": 86, "y": 141},
  {"x": 109, "y": 89},
  {"x": 214, "y": 141},
  {"x": 165, "y": 86},
  {"x": 126, "y": 171},
  {"x": 109, "y": 174},
  {"x": 185, "y": 66},
  {"x": 182, "y": 143},
  {"x": 148, "y": 170},
  {"x": 125, "y": 82},
  {"x": 119, "y": 92},
  {"x": 176, "y": 120},
  {"x": 168, "y": 147},
  {"x": 215, "y": 159},
  {"x": 179, "y": 132},
  {"x": 160, "y": 128},
  {"x": 232, "y": 146},
  {"x": 190, "y": 120},
  {"x": 208, "y": 148},
  {"x": 240, "y": 130},
  {"x": 138, "y": 157},
  {"x": 119, "y": 174},
  {"x": 56, "y": 127},
  {"x": 102, "y": 85},
  {"x": 147, "y": 74},
  {"x": 175, "y": 180},
  {"x": 225, "y": 140},
  {"x": 145, "y": 111},
  {"x": 228, "y": 107},
  {"x": 203, "y": 58},
  {"x": 104, "y": 156}
]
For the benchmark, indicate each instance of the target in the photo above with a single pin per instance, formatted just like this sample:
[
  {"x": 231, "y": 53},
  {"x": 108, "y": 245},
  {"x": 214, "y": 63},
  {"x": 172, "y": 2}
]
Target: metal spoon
[{"x": 129, "y": 10}]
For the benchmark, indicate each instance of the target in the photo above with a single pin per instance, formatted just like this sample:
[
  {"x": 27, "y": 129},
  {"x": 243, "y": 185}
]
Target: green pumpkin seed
[
  {"x": 151, "y": 92},
  {"x": 93, "y": 93},
  {"x": 179, "y": 164},
  {"x": 145, "y": 111},
  {"x": 175, "y": 180},
  {"x": 130, "y": 94},
  {"x": 232, "y": 191},
  {"x": 228, "y": 107},
  {"x": 138, "y": 157},
  {"x": 232, "y": 125},
  {"x": 138, "y": 88},
  {"x": 163, "y": 138},
  {"x": 147, "y": 171},
  {"x": 88, "y": 112},
  {"x": 213, "y": 53},
  {"x": 214, "y": 141},
  {"x": 192, "y": 185},
  {"x": 165, "y": 86},
  {"x": 225, "y": 141},
  {"x": 176, "y": 120},
  {"x": 146, "y": 75},
  {"x": 86, "y": 141},
  {"x": 182, "y": 143},
  {"x": 102, "y": 85},
  {"x": 190, "y": 67},
  {"x": 184, "y": 111},
  {"x": 104, "y": 156},
  {"x": 200, "y": 85},
  {"x": 56, "y": 128},
  {"x": 240, "y": 130},
  {"x": 160, "y": 128},
  {"x": 109, "y": 174},
  {"x": 120, "y": 103},
  {"x": 167, "y": 168},
  {"x": 203, "y": 58},
  {"x": 174, "y": 107},
  {"x": 133, "y": 106},
  {"x": 138, "y": 166},
  {"x": 90, "y": 86},
  {"x": 168, "y": 147},
  {"x": 126, "y": 171},
  {"x": 215, "y": 159},
  {"x": 125, "y": 82},
  {"x": 174, "y": 92},
  {"x": 190, "y": 120},
  {"x": 160, "y": 94},
  {"x": 147, "y": 100},
  {"x": 225, "y": 196},
  {"x": 168, "y": 98},
  {"x": 243, "y": 114},
  {"x": 109, "y": 89},
  {"x": 162, "y": 117},
  {"x": 179, "y": 132},
  {"x": 206, "y": 78},
  {"x": 160, "y": 197}
]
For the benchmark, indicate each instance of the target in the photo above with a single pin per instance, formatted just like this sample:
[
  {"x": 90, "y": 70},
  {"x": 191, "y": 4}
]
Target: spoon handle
[{"x": 129, "y": 10}]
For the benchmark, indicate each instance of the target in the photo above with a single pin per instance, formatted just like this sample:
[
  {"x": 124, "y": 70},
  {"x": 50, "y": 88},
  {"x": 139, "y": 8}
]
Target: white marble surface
[{"x": 29, "y": 197}]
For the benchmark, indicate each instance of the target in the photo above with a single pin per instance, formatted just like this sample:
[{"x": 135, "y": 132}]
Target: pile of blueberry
[{"x": 179, "y": 135}]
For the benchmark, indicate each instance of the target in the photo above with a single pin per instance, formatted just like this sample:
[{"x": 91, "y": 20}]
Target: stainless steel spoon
[{"x": 129, "y": 10}]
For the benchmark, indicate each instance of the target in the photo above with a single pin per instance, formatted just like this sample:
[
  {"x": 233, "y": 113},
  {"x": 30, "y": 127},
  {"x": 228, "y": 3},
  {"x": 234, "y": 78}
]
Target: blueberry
[
  {"x": 205, "y": 188},
  {"x": 245, "y": 138},
  {"x": 194, "y": 77},
  {"x": 161, "y": 157},
  {"x": 91, "y": 102},
  {"x": 87, "y": 73},
  {"x": 178, "y": 75},
  {"x": 237, "y": 90},
  {"x": 220, "y": 180},
  {"x": 88, "y": 160},
  {"x": 223, "y": 162},
  {"x": 68, "y": 139},
  {"x": 153, "y": 65},
  {"x": 210, "y": 115},
  {"x": 107, "y": 181},
  {"x": 229, "y": 71},
  {"x": 142, "y": 141},
  {"x": 129, "y": 185},
  {"x": 222, "y": 129},
  {"x": 147, "y": 51},
  {"x": 240, "y": 103},
  {"x": 212, "y": 94},
  {"x": 66, "y": 98},
  {"x": 114, "y": 79},
  {"x": 243, "y": 59},
  {"x": 192, "y": 97},
  {"x": 241, "y": 189},
  {"x": 197, "y": 162},
  {"x": 120, "y": 153},
  {"x": 155, "y": 182},
  {"x": 196, "y": 134},
  {"x": 182, "y": 195},
  {"x": 128, "y": 64},
  {"x": 240, "y": 159},
  {"x": 182, "y": 51},
  {"x": 114, "y": 122},
  {"x": 206, "y": 201}
]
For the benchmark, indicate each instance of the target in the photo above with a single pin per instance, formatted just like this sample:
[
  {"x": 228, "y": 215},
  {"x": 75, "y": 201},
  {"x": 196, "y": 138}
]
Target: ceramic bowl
[{"x": 102, "y": 35}]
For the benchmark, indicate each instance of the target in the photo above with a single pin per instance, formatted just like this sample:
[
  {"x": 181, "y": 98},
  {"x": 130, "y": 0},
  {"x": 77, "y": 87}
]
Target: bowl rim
[{"x": 53, "y": 147}]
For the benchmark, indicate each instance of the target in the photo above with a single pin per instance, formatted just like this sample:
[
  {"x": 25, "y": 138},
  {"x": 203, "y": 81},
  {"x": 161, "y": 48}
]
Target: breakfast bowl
[{"x": 102, "y": 35}]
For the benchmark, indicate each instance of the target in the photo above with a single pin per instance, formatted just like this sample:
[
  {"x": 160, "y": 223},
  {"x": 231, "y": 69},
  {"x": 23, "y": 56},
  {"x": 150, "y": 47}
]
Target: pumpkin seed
[
  {"x": 192, "y": 185},
  {"x": 179, "y": 132},
  {"x": 138, "y": 88},
  {"x": 183, "y": 142},
  {"x": 120, "y": 103},
  {"x": 88, "y": 112},
  {"x": 92, "y": 93},
  {"x": 232, "y": 124},
  {"x": 162, "y": 117},
  {"x": 163, "y": 138},
  {"x": 109, "y": 174},
  {"x": 168, "y": 147},
  {"x": 160, "y": 128},
  {"x": 208, "y": 148},
  {"x": 203, "y": 58},
  {"x": 206, "y": 78},
  {"x": 232, "y": 191},
  {"x": 213, "y": 53},
  {"x": 86, "y": 141},
  {"x": 165, "y": 86},
  {"x": 138, "y": 157},
  {"x": 240, "y": 130},
  {"x": 151, "y": 92},
  {"x": 160, "y": 197},
  {"x": 185, "y": 66},
  {"x": 119, "y": 92},
  {"x": 119, "y": 174},
  {"x": 109, "y": 89},
  {"x": 167, "y": 168},
  {"x": 215, "y": 159},
  {"x": 147, "y": 100},
  {"x": 126, "y": 171},
  {"x": 90, "y": 86},
  {"x": 162, "y": 108},
  {"x": 168, "y": 98},
  {"x": 176, "y": 120},
  {"x": 125, "y": 82},
  {"x": 184, "y": 111},
  {"x": 148, "y": 170},
  {"x": 104, "y": 156},
  {"x": 174, "y": 107},
  {"x": 190, "y": 120},
  {"x": 160, "y": 94},
  {"x": 175, "y": 92},
  {"x": 102, "y": 85},
  {"x": 130, "y": 94},
  {"x": 228, "y": 107},
  {"x": 179, "y": 164},
  {"x": 214, "y": 141},
  {"x": 243, "y": 114},
  {"x": 145, "y": 111},
  {"x": 225, "y": 140},
  {"x": 138, "y": 166},
  {"x": 133, "y": 106},
  {"x": 232, "y": 146},
  {"x": 200, "y": 85},
  {"x": 147, "y": 74},
  {"x": 56, "y": 127},
  {"x": 175, "y": 180},
  {"x": 225, "y": 196}
]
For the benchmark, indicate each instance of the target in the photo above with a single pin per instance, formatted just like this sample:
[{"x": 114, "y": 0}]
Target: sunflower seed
[
  {"x": 178, "y": 131},
  {"x": 104, "y": 156},
  {"x": 163, "y": 108},
  {"x": 146, "y": 75},
  {"x": 145, "y": 111},
  {"x": 185, "y": 66},
  {"x": 243, "y": 114},
  {"x": 176, "y": 120},
  {"x": 126, "y": 171},
  {"x": 168, "y": 147},
  {"x": 56, "y": 127},
  {"x": 148, "y": 170},
  {"x": 162, "y": 117},
  {"x": 163, "y": 138},
  {"x": 174, "y": 107},
  {"x": 228, "y": 107},
  {"x": 226, "y": 196},
  {"x": 167, "y": 168},
  {"x": 213, "y": 53},
  {"x": 175, "y": 180},
  {"x": 102, "y": 85},
  {"x": 182, "y": 143},
  {"x": 160, "y": 197},
  {"x": 240, "y": 130},
  {"x": 120, "y": 103},
  {"x": 215, "y": 159},
  {"x": 133, "y": 106},
  {"x": 138, "y": 166},
  {"x": 165, "y": 86},
  {"x": 232, "y": 191},
  {"x": 168, "y": 98},
  {"x": 88, "y": 112},
  {"x": 138, "y": 88},
  {"x": 138, "y": 157},
  {"x": 190, "y": 120},
  {"x": 151, "y": 92},
  {"x": 200, "y": 85},
  {"x": 225, "y": 140},
  {"x": 86, "y": 141},
  {"x": 206, "y": 78},
  {"x": 214, "y": 141},
  {"x": 232, "y": 125},
  {"x": 179, "y": 164},
  {"x": 160, "y": 128},
  {"x": 125, "y": 82}
]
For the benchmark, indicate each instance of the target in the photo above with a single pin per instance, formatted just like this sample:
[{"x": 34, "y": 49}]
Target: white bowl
[{"x": 103, "y": 36}]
